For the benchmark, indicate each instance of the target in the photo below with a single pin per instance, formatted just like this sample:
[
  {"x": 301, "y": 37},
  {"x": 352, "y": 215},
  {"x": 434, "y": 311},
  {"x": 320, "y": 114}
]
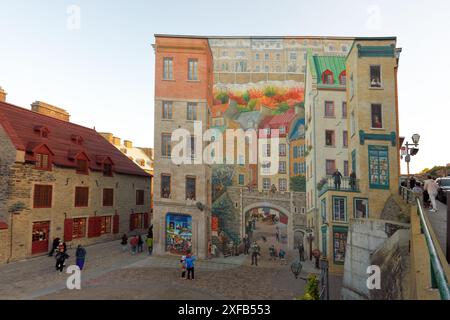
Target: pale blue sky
[{"x": 103, "y": 72}]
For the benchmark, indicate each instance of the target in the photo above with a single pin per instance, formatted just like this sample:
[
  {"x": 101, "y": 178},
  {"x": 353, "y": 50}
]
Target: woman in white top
[{"x": 432, "y": 188}]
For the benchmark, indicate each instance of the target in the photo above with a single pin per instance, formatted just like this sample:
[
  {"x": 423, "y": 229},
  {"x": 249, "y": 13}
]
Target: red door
[{"x": 40, "y": 237}]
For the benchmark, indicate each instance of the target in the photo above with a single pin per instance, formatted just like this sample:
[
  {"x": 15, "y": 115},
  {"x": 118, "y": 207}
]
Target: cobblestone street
[{"x": 113, "y": 274}]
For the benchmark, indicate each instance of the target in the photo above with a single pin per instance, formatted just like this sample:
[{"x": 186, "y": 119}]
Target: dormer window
[
  {"x": 343, "y": 78},
  {"x": 77, "y": 139},
  {"x": 43, "y": 158},
  {"x": 82, "y": 166},
  {"x": 42, "y": 131},
  {"x": 328, "y": 77},
  {"x": 107, "y": 169}
]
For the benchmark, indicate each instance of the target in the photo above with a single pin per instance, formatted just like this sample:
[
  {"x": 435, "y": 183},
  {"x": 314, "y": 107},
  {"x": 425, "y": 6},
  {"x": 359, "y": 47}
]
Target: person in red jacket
[{"x": 134, "y": 243}]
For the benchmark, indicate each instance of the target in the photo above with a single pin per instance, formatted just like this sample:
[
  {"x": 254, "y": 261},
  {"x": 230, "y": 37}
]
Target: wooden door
[{"x": 40, "y": 237}]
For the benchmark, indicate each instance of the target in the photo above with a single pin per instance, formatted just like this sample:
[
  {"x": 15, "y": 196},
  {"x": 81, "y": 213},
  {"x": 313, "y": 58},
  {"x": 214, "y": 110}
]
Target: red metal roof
[{"x": 20, "y": 125}]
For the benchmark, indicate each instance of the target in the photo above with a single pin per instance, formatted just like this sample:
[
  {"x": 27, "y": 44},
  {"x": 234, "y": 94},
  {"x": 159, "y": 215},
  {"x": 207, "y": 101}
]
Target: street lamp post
[{"x": 411, "y": 150}]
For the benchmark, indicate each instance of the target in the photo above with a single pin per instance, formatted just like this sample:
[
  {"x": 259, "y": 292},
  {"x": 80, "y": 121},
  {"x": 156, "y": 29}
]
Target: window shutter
[
  {"x": 145, "y": 220},
  {"x": 116, "y": 223},
  {"x": 68, "y": 229},
  {"x": 98, "y": 226},
  {"x": 132, "y": 226},
  {"x": 92, "y": 227}
]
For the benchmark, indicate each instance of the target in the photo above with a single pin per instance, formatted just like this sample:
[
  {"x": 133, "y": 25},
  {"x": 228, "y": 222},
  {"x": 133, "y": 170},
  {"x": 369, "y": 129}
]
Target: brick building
[{"x": 59, "y": 179}]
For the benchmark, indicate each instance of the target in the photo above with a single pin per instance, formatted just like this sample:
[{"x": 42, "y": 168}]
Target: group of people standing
[
  {"x": 59, "y": 249},
  {"x": 137, "y": 244}
]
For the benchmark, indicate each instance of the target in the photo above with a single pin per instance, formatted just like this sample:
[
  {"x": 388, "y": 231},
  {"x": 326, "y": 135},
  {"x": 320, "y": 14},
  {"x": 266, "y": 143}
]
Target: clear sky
[{"x": 100, "y": 67}]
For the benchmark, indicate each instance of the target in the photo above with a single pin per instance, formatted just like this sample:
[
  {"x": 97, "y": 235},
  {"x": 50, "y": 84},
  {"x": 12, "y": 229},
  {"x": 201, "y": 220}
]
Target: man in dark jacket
[
  {"x": 337, "y": 176},
  {"x": 54, "y": 246},
  {"x": 60, "y": 259},
  {"x": 81, "y": 256}
]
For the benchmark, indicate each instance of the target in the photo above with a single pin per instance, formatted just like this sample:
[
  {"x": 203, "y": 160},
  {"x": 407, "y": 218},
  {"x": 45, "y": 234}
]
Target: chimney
[
  {"x": 2, "y": 95},
  {"x": 108, "y": 136},
  {"x": 128, "y": 144},
  {"x": 116, "y": 141},
  {"x": 49, "y": 110}
]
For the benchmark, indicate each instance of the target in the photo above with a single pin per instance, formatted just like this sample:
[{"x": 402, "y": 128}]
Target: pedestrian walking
[
  {"x": 432, "y": 188},
  {"x": 55, "y": 244},
  {"x": 337, "y": 176},
  {"x": 134, "y": 243},
  {"x": 61, "y": 257},
  {"x": 277, "y": 234},
  {"x": 255, "y": 251},
  {"x": 124, "y": 242},
  {"x": 190, "y": 263},
  {"x": 183, "y": 267},
  {"x": 140, "y": 244},
  {"x": 80, "y": 254},
  {"x": 149, "y": 243},
  {"x": 272, "y": 253}
]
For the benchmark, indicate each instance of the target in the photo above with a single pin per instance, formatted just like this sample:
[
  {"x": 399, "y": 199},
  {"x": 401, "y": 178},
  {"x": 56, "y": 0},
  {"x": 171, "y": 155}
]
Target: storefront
[
  {"x": 178, "y": 233},
  {"x": 40, "y": 237}
]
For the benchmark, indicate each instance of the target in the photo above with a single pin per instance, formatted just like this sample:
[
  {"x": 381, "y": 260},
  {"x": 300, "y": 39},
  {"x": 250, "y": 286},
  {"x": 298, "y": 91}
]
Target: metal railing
[
  {"x": 407, "y": 195},
  {"x": 346, "y": 184},
  {"x": 438, "y": 279}
]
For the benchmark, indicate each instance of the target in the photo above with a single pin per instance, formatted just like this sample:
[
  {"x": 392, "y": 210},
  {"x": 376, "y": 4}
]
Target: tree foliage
[{"x": 298, "y": 183}]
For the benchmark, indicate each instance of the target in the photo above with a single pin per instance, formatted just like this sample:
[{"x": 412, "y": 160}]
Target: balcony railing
[{"x": 346, "y": 184}]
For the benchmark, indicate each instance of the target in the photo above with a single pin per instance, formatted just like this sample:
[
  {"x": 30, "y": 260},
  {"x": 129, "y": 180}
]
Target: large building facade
[
  {"x": 298, "y": 85},
  {"x": 62, "y": 180}
]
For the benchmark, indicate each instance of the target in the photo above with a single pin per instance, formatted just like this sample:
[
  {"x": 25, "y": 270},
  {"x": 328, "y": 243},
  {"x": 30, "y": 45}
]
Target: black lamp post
[{"x": 411, "y": 149}]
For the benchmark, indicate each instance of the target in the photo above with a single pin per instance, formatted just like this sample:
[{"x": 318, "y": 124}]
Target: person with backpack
[
  {"x": 61, "y": 257},
  {"x": 54, "y": 246},
  {"x": 80, "y": 254}
]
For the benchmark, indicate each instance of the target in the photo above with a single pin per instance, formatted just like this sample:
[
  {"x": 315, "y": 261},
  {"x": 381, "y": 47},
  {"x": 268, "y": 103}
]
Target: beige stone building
[{"x": 62, "y": 180}]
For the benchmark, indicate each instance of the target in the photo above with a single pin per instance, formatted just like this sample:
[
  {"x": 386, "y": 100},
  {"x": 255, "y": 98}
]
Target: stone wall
[
  {"x": 4, "y": 245},
  {"x": 368, "y": 244}
]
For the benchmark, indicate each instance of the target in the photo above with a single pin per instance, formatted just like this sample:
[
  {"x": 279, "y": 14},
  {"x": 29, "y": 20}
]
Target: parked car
[{"x": 444, "y": 186}]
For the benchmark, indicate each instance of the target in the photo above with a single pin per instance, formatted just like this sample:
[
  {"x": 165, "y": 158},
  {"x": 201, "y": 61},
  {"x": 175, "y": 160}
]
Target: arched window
[
  {"x": 343, "y": 78},
  {"x": 327, "y": 77}
]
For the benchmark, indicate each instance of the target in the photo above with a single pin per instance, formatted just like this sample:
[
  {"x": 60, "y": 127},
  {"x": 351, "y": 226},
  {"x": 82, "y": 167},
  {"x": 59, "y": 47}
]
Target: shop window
[
  {"x": 105, "y": 224},
  {"x": 79, "y": 228},
  {"x": 339, "y": 244},
  {"x": 165, "y": 186}
]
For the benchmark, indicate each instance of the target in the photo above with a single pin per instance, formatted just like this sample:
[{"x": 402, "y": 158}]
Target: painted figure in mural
[
  {"x": 337, "y": 176},
  {"x": 255, "y": 251},
  {"x": 277, "y": 234},
  {"x": 134, "y": 243},
  {"x": 353, "y": 180},
  {"x": 273, "y": 188},
  {"x": 301, "y": 252},
  {"x": 140, "y": 244},
  {"x": 282, "y": 256},
  {"x": 272, "y": 253},
  {"x": 246, "y": 242},
  {"x": 80, "y": 254}
]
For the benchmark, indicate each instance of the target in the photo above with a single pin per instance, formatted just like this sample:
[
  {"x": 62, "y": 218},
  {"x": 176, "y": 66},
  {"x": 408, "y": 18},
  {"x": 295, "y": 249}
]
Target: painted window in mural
[
  {"x": 345, "y": 138},
  {"x": 165, "y": 186},
  {"x": 330, "y": 167},
  {"x": 190, "y": 188},
  {"x": 241, "y": 179},
  {"x": 191, "y": 111},
  {"x": 192, "y": 69},
  {"x": 324, "y": 241},
  {"x": 168, "y": 69},
  {"x": 375, "y": 76},
  {"x": 266, "y": 183},
  {"x": 377, "y": 116},
  {"x": 282, "y": 149},
  {"x": 323, "y": 210},
  {"x": 167, "y": 110},
  {"x": 282, "y": 167},
  {"x": 282, "y": 184},
  {"x": 344, "y": 109},
  {"x": 339, "y": 243},
  {"x": 178, "y": 233},
  {"x": 378, "y": 167},
  {"x": 361, "y": 208},
  {"x": 339, "y": 209},
  {"x": 329, "y": 109},
  {"x": 346, "y": 173}
]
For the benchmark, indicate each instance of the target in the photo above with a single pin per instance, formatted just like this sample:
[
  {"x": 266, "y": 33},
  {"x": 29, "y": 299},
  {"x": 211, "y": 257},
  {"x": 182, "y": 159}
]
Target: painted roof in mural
[
  {"x": 297, "y": 129},
  {"x": 320, "y": 64},
  {"x": 277, "y": 121},
  {"x": 65, "y": 140},
  {"x": 249, "y": 119}
]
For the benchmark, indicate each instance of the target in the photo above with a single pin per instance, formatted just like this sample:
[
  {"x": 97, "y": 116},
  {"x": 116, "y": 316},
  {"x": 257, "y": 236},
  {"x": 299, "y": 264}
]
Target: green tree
[
  {"x": 298, "y": 183},
  {"x": 282, "y": 108},
  {"x": 246, "y": 96},
  {"x": 312, "y": 288}
]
